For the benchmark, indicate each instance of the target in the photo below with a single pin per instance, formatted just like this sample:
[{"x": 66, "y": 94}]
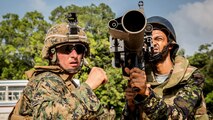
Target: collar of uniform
[
  {"x": 176, "y": 74},
  {"x": 55, "y": 69},
  {"x": 64, "y": 76},
  {"x": 179, "y": 70}
]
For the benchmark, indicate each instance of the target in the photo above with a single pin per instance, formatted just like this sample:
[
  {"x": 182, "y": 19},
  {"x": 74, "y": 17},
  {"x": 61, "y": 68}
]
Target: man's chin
[
  {"x": 155, "y": 53},
  {"x": 73, "y": 70}
]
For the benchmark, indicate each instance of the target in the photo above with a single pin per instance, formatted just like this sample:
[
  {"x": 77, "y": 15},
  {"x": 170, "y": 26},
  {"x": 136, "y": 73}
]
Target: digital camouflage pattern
[
  {"x": 50, "y": 94},
  {"x": 180, "y": 97},
  {"x": 109, "y": 114}
]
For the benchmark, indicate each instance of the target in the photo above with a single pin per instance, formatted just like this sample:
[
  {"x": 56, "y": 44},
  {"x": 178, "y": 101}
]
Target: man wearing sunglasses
[
  {"x": 169, "y": 88},
  {"x": 51, "y": 92}
]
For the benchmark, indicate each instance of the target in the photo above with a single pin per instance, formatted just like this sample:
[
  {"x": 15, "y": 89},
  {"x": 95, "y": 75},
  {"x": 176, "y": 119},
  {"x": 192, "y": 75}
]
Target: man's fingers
[
  {"x": 135, "y": 70},
  {"x": 127, "y": 70}
]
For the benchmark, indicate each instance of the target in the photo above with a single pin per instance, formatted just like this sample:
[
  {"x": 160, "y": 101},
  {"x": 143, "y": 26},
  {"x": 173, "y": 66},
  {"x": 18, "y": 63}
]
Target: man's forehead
[{"x": 158, "y": 33}]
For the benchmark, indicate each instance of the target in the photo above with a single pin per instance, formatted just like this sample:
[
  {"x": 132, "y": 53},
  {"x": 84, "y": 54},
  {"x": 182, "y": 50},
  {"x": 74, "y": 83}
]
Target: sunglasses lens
[
  {"x": 79, "y": 48},
  {"x": 66, "y": 49}
]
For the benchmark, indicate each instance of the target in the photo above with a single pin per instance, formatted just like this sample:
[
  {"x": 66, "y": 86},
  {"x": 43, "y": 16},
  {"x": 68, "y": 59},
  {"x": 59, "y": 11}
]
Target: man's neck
[{"x": 164, "y": 67}]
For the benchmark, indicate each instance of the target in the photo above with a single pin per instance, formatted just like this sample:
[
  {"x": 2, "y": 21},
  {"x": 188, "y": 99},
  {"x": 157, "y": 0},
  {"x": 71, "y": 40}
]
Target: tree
[{"x": 21, "y": 41}]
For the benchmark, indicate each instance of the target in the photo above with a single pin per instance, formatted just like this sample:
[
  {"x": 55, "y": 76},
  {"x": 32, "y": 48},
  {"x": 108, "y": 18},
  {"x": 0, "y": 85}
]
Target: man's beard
[{"x": 160, "y": 56}]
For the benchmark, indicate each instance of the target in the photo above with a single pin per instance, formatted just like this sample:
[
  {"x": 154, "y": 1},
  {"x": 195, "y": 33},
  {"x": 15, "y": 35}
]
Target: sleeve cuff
[{"x": 139, "y": 99}]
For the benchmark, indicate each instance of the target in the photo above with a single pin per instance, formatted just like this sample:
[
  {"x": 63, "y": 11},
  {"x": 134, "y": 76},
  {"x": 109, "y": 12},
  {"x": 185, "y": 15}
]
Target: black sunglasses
[{"x": 66, "y": 49}]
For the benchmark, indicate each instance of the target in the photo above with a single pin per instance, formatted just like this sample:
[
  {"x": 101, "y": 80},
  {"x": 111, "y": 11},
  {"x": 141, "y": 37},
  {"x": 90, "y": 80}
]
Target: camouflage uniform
[
  {"x": 179, "y": 97},
  {"x": 51, "y": 94}
]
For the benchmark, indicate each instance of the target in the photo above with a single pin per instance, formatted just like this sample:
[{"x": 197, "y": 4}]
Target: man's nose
[
  {"x": 73, "y": 53},
  {"x": 154, "y": 42}
]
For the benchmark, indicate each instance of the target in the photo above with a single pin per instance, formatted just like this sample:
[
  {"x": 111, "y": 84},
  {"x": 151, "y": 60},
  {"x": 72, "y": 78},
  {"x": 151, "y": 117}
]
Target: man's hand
[
  {"x": 96, "y": 77},
  {"x": 129, "y": 95},
  {"x": 138, "y": 79}
]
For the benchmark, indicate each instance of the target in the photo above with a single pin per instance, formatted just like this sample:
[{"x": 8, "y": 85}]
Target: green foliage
[
  {"x": 21, "y": 43},
  {"x": 112, "y": 93}
]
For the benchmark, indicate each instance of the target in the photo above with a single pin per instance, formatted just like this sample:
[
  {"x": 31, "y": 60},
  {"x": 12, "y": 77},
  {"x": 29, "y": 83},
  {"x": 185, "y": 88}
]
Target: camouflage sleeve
[
  {"x": 52, "y": 100},
  {"x": 185, "y": 102}
]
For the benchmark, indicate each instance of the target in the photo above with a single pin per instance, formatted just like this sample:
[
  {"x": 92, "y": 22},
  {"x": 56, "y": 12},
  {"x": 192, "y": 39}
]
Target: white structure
[{"x": 10, "y": 91}]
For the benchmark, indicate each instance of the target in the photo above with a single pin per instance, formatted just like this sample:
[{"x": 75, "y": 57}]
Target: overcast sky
[{"x": 192, "y": 19}]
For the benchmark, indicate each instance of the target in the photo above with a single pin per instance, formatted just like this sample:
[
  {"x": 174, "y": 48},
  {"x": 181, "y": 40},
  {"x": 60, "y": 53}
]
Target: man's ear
[{"x": 171, "y": 46}]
